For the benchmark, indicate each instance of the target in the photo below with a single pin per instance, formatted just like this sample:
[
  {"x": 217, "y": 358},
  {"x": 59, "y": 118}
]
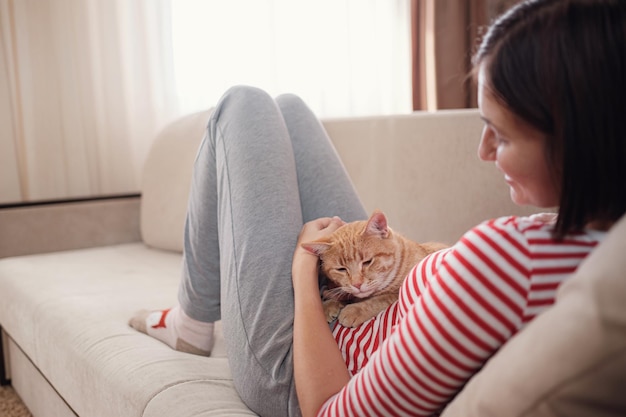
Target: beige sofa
[{"x": 64, "y": 313}]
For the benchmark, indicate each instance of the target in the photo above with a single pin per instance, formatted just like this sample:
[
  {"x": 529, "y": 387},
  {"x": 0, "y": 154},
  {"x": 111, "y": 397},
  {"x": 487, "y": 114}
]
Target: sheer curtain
[
  {"x": 343, "y": 57},
  {"x": 86, "y": 84}
]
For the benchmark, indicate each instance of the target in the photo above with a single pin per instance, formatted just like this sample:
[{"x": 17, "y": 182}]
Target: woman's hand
[
  {"x": 319, "y": 228},
  {"x": 303, "y": 260}
]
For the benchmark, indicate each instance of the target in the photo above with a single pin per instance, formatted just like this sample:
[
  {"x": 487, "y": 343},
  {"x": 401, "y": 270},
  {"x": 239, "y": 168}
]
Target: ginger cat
[{"x": 366, "y": 263}]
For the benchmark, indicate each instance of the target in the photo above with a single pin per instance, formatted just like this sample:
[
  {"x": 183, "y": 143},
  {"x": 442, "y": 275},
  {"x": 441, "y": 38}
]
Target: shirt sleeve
[{"x": 473, "y": 302}]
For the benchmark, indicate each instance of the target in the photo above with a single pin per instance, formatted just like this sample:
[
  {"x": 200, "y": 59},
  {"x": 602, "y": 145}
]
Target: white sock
[{"x": 176, "y": 329}]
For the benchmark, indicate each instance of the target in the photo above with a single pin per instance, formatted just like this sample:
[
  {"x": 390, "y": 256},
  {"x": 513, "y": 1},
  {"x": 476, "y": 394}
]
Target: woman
[{"x": 551, "y": 83}]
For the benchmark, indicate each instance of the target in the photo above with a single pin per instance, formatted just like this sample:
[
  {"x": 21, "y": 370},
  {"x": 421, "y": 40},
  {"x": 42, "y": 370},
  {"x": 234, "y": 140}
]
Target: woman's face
[{"x": 518, "y": 150}]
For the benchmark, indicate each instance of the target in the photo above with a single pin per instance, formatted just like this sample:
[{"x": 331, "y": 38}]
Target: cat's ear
[
  {"x": 316, "y": 248},
  {"x": 377, "y": 225}
]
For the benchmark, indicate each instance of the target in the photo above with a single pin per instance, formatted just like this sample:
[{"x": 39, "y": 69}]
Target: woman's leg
[
  {"x": 259, "y": 217},
  {"x": 262, "y": 170},
  {"x": 275, "y": 171},
  {"x": 324, "y": 186}
]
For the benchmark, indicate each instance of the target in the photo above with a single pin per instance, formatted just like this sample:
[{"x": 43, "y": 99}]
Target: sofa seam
[{"x": 177, "y": 383}]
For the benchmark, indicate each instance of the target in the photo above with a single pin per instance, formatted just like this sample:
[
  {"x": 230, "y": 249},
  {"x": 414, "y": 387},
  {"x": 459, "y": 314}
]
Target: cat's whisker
[{"x": 337, "y": 294}]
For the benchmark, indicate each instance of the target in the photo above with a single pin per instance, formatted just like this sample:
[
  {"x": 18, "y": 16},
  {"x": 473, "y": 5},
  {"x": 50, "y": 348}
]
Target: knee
[
  {"x": 241, "y": 102},
  {"x": 290, "y": 101},
  {"x": 245, "y": 96}
]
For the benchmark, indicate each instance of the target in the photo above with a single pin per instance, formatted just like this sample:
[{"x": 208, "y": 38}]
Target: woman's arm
[{"x": 320, "y": 371}]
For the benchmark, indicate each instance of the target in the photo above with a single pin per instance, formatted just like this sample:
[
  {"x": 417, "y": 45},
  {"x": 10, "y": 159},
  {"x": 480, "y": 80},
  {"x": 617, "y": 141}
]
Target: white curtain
[
  {"x": 343, "y": 57},
  {"x": 86, "y": 84}
]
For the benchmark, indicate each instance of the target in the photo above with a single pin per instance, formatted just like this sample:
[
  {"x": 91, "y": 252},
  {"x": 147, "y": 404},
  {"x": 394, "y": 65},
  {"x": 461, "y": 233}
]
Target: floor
[{"x": 10, "y": 403}]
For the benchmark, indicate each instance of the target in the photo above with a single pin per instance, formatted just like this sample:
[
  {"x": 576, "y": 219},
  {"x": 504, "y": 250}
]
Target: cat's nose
[{"x": 358, "y": 285}]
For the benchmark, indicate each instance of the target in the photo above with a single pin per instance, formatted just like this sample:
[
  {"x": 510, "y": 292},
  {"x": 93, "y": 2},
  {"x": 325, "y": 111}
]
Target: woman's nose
[{"x": 487, "y": 146}]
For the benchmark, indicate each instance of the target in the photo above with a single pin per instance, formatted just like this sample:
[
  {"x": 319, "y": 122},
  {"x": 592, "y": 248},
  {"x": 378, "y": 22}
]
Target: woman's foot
[{"x": 176, "y": 329}]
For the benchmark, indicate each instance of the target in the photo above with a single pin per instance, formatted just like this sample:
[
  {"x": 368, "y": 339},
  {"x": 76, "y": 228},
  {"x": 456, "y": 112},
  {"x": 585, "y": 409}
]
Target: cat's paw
[
  {"x": 353, "y": 315},
  {"x": 332, "y": 309}
]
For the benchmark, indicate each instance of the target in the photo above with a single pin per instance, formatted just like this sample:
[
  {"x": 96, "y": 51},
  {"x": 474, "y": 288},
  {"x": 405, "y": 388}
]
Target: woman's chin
[
  {"x": 524, "y": 200},
  {"x": 519, "y": 199}
]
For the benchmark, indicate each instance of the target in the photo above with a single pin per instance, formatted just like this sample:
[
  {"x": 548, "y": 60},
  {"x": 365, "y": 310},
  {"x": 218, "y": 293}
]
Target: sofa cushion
[
  {"x": 571, "y": 360},
  {"x": 68, "y": 312},
  {"x": 166, "y": 181}
]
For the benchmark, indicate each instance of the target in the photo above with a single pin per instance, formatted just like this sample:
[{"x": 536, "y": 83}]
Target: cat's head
[{"x": 359, "y": 257}]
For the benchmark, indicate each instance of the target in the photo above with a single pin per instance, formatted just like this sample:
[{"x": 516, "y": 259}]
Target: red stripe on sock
[{"x": 161, "y": 323}]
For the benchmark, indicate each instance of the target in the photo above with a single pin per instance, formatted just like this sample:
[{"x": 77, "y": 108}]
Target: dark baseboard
[
  {"x": 3, "y": 370},
  {"x": 69, "y": 200}
]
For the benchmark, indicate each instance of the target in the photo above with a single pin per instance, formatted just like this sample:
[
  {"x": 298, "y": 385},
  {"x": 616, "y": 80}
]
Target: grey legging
[{"x": 264, "y": 168}]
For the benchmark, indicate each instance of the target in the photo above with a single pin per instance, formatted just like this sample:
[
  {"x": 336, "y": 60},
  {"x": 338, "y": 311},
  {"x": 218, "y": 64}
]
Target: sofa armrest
[{"x": 52, "y": 227}]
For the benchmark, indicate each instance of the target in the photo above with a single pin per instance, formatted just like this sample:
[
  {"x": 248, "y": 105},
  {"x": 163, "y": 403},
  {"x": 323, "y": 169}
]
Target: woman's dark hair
[{"x": 560, "y": 65}]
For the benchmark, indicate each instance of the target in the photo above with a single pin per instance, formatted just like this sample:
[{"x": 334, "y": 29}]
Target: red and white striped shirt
[{"x": 456, "y": 309}]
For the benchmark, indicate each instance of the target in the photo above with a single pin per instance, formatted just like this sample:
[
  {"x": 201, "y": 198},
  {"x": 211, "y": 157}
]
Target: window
[{"x": 343, "y": 57}]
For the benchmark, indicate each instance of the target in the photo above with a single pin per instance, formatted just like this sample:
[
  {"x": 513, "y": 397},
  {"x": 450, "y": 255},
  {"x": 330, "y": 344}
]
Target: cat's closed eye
[{"x": 368, "y": 262}]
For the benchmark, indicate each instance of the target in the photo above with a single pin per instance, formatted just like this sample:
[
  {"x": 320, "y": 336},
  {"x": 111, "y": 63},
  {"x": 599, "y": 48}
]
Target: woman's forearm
[{"x": 319, "y": 368}]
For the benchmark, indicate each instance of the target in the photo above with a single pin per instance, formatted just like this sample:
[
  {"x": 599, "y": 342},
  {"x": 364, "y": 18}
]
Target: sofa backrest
[
  {"x": 166, "y": 181},
  {"x": 421, "y": 169}
]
